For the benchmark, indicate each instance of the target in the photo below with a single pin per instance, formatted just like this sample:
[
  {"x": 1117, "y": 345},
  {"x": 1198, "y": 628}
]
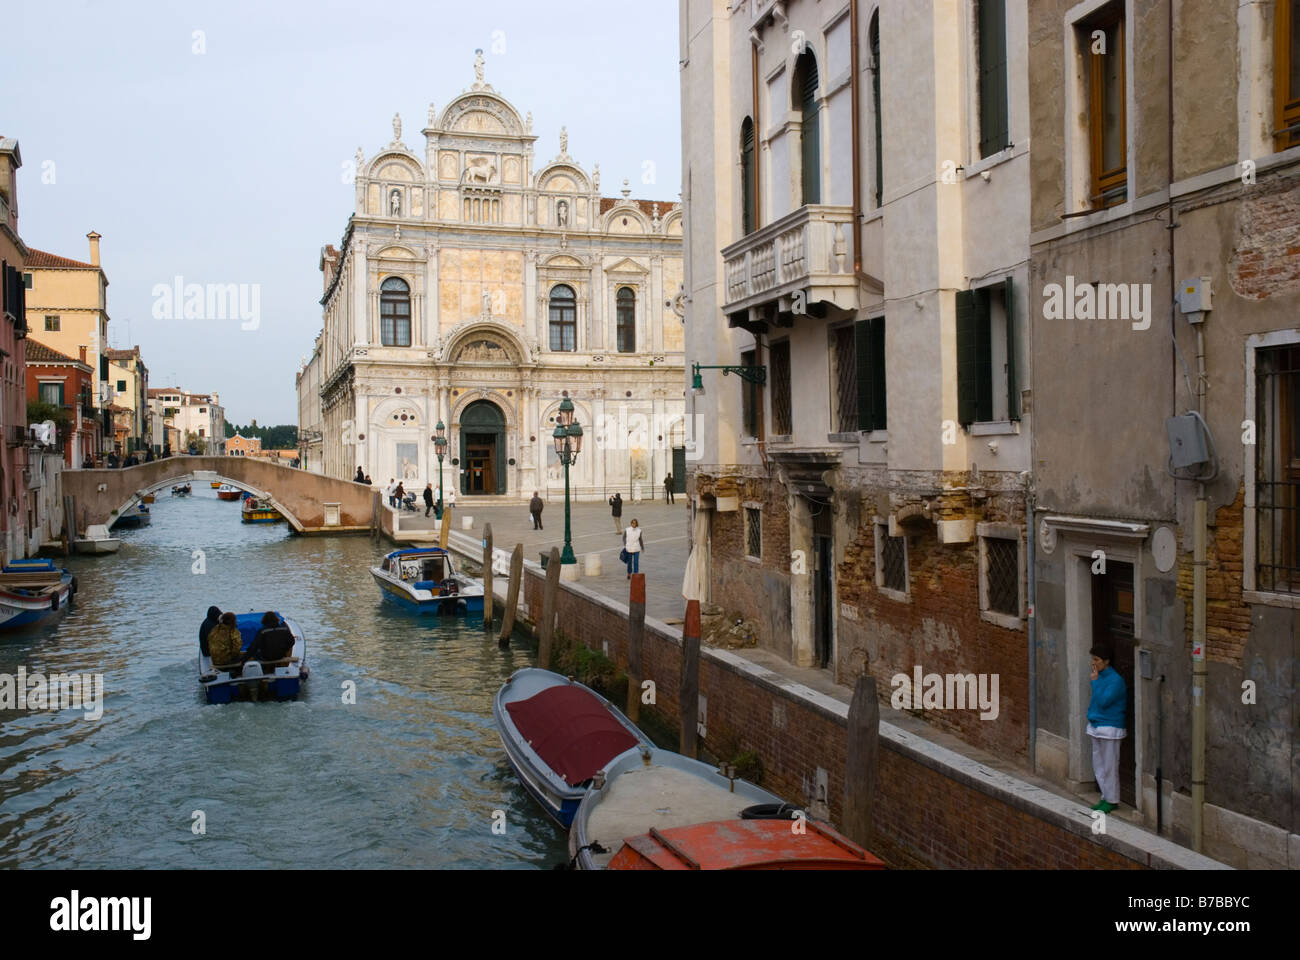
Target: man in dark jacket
[
  {"x": 428, "y": 498},
  {"x": 273, "y": 642},
  {"x": 214, "y": 615},
  {"x": 669, "y": 484},
  {"x": 535, "y": 509},
  {"x": 360, "y": 477},
  {"x": 616, "y": 508}
]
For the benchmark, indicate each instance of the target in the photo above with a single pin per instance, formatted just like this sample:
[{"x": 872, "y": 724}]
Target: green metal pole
[
  {"x": 440, "y": 486},
  {"x": 567, "y": 556}
]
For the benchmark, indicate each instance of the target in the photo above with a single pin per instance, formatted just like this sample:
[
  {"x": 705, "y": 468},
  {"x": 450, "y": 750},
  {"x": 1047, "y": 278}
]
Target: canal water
[{"x": 411, "y": 775}]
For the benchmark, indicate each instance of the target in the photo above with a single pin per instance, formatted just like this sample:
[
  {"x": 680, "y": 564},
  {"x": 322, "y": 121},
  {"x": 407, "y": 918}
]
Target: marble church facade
[{"x": 475, "y": 287}]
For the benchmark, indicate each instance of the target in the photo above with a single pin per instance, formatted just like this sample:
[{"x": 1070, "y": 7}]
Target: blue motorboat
[
  {"x": 425, "y": 580},
  {"x": 32, "y": 590},
  {"x": 557, "y": 734},
  {"x": 255, "y": 680},
  {"x": 136, "y": 516}
]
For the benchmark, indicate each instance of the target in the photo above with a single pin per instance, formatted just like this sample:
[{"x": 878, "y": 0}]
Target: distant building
[
  {"x": 241, "y": 446},
  {"x": 129, "y": 378},
  {"x": 66, "y": 382},
  {"x": 310, "y": 422},
  {"x": 196, "y": 416},
  {"x": 15, "y": 502}
]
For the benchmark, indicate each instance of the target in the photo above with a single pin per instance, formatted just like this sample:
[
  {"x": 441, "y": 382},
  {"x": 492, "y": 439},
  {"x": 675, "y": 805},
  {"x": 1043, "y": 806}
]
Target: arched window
[
  {"x": 747, "y": 181},
  {"x": 805, "y": 92},
  {"x": 395, "y": 313},
  {"x": 626, "y": 320},
  {"x": 564, "y": 319},
  {"x": 873, "y": 34}
]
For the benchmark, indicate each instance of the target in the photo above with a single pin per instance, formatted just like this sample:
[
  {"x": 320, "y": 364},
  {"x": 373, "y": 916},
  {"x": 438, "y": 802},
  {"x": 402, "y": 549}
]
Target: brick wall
[
  {"x": 1227, "y": 616},
  {"x": 926, "y": 815}
]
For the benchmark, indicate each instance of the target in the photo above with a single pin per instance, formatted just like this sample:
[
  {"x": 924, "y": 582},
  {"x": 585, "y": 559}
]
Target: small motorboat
[
  {"x": 226, "y": 492},
  {"x": 182, "y": 491},
  {"x": 97, "y": 540},
  {"x": 137, "y": 516},
  {"x": 33, "y": 589},
  {"x": 148, "y": 498},
  {"x": 256, "y": 680},
  {"x": 260, "y": 510},
  {"x": 216, "y": 484},
  {"x": 557, "y": 735},
  {"x": 648, "y": 789},
  {"x": 778, "y": 843},
  {"x": 425, "y": 580}
]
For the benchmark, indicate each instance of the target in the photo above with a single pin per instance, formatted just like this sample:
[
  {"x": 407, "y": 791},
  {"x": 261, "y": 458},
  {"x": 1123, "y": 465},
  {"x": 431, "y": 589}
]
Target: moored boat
[
  {"x": 774, "y": 844},
  {"x": 648, "y": 788},
  {"x": 256, "y": 680},
  {"x": 182, "y": 490},
  {"x": 216, "y": 484},
  {"x": 137, "y": 516},
  {"x": 226, "y": 492},
  {"x": 557, "y": 734},
  {"x": 97, "y": 540},
  {"x": 425, "y": 580},
  {"x": 148, "y": 498},
  {"x": 31, "y": 590},
  {"x": 259, "y": 510}
]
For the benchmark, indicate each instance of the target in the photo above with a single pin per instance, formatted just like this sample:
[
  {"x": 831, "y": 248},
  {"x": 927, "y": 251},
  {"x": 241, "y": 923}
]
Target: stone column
[
  {"x": 654, "y": 307},
  {"x": 362, "y": 283},
  {"x": 598, "y": 295},
  {"x": 433, "y": 312},
  {"x": 530, "y": 294}
]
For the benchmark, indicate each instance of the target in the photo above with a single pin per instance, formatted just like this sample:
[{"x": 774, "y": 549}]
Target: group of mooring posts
[{"x": 862, "y": 740}]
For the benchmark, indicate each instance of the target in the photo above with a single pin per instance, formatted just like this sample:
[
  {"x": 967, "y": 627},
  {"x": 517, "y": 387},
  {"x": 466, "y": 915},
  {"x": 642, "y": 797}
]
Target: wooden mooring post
[
  {"x": 70, "y": 522},
  {"x": 487, "y": 576},
  {"x": 445, "y": 531},
  {"x": 512, "y": 596},
  {"x": 689, "y": 694},
  {"x": 549, "y": 593},
  {"x": 376, "y": 505},
  {"x": 635, "y": 634},
  {"x": 862, "y": 753}
]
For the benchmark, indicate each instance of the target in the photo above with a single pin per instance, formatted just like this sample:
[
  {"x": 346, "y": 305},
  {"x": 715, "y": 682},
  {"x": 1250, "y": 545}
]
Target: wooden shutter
[
  {"x": 1013, "y": 383},
  {"x": 811, "y": 132},
  {"x": 994, "y": 134},
  {"x": 747, "y": 174},
  {"x": 875, "y": 102},
  {"x": 866, "y": 391},
  {"x": 974, "y": 358}
]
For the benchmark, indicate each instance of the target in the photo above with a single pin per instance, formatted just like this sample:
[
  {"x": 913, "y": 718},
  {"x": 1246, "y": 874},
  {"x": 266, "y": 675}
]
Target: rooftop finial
[{"x": 478, "y": 66}]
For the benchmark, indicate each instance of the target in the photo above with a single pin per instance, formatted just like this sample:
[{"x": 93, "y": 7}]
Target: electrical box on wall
[
  {"x": 1195, "y": 298},
  {"x": 1186, "y": 441}
]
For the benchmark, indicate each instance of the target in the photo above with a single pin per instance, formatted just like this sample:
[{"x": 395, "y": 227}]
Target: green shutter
[
  {"x": 1013, "y": 384},
  {"x": 747, "y": 174},
  {"x": 993, "y": 76},
  {"x": 811, "y": 131},
  {"x": 875, "y": 104},
  {"x": 984, "y": 355},
  {"x": 879, "y": 421},
  {"x": 862, "y": 336},
  {"x": 967, "y": 359}
]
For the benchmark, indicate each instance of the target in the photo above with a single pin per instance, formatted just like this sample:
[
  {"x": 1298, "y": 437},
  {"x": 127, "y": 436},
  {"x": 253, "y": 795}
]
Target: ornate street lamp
[
  {"x": 440, "y": 445},
  {"x": 568, "y": 444}
]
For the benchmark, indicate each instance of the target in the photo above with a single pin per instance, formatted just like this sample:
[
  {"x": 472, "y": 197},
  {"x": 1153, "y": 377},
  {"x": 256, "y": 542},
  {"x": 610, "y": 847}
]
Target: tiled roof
[
  {"x": 647, "y": 206},
  {"x": 160, "y": 391},
  {"x": 133, "y": 353},
  {"x": 38, "y": 352},
  {"x": 39, "y": 258}
]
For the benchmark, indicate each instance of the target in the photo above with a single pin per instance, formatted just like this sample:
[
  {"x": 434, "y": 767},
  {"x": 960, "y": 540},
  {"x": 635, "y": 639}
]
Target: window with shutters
[
  {"x": 1001, "y": 569},
  {"x": 564, "y": 319},
  {"x": 751, "y": 399},
  {"x": 1286, "y": 73},
  {"x": 874, "y": 35},
  {"x": 748, "y": 182},
  {"x": 845, "y": 378},
  {"x": 782, "y": 414},
  {"x": 1101, "y": 46},
  {"x": 754, "y": 533},
  {"x": 51, "y": 323},
  {"x": 987, "y": 385},
  {"x": 626, "y": 310},
  {"x": 52, "y": 393},
  {"x": 395, "y": 313},
  {"x": 869, "y": 347},
  {"x": 1277, "y": 469},
  {"x": 891, "y": 563},
  {"x": 808, "y": 104},
  {"x": 991, "y": 41}
]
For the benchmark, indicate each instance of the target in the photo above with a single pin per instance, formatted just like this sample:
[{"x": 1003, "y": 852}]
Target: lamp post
[
  {"x": 440, "y": 445},
  {"x": 568, "y": 444}
]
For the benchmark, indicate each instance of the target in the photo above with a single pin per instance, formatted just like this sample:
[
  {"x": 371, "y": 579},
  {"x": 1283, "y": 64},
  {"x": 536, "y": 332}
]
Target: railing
[{"x": 809, "y": 249}]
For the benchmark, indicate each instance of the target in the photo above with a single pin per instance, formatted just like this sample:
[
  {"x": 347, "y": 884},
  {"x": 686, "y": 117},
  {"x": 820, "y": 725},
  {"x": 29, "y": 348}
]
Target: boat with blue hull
[
  {"x": 137, "y": 516},
  {"x": 425, "y": 580},
  {"x": 256, "y": 680},
  {"x": 260, "y": 510},
  {"x": 33, "y": 590},
  {"x": 557, "y": 735}
]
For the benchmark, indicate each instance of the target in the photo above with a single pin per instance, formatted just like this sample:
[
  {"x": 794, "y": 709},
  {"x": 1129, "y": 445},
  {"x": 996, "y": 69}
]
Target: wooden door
[{"x": 1112, "y": 625}]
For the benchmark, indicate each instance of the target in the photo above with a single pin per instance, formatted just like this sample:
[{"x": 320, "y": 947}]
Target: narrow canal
[{"x": 409, "y": 776}]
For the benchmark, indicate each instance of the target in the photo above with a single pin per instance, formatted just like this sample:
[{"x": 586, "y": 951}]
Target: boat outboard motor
[{"x": 450, "y": 588}]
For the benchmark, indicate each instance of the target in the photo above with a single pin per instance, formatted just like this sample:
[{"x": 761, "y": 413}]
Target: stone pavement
[{"x": 663, "y": 561}]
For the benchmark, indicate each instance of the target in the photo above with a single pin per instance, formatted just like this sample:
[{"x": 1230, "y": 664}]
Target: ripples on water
[{"x": 409, "y": 776}]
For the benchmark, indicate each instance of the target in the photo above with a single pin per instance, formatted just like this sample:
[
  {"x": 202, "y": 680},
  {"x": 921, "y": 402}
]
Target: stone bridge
[{"x": 310, "y": 502}]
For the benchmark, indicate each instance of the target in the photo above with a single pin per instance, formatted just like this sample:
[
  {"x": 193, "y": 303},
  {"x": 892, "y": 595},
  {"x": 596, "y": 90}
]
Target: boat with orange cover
[{"x": 778, "y": 844}]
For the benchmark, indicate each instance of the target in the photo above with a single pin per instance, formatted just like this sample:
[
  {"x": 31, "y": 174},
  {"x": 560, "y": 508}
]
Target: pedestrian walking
[
  {"x": 616, "y": 508},
  {"x": 632, "y": 547},
  {"x": 428, "y": 498},
  {"x": 669, "y": 483},
  {"x": 391, "y": 491},
  {"x": 451, "y": 497},
  {"x": 1106, "y": 726},
  {"x": 535, "y": 510}
]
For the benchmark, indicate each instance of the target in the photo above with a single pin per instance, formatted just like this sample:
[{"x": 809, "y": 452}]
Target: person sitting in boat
[
  {"x": 273, "y": 642},
  {"x": 205, "y": 628},
  {"x": 225, "y": 641}
]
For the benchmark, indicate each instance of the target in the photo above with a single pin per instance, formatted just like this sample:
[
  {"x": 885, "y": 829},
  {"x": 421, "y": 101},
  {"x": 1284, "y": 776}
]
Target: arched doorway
[{"x": 483, "y": 449}]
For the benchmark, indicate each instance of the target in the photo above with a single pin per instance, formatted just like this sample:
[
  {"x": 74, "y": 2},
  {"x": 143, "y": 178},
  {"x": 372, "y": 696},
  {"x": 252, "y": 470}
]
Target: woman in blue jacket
[{"x": 1106, "y": 726}]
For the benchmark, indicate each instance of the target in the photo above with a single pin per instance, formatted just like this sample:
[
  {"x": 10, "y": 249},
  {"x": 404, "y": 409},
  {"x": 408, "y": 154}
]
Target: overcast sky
[{"x": 226, "y": 166}]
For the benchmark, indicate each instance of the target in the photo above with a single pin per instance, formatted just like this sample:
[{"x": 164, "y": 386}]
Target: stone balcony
[{"x": 809, "y": 250}]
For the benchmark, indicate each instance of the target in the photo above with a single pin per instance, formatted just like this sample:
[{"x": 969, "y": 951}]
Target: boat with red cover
[
  {"x": 776, "y": 844},
  {"x": 557, "y": 735}
]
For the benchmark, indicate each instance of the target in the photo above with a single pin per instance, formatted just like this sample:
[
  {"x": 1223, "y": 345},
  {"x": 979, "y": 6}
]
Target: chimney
[
  {"x": 93, "y": 237},
  {"x": 83, "y": 353}
]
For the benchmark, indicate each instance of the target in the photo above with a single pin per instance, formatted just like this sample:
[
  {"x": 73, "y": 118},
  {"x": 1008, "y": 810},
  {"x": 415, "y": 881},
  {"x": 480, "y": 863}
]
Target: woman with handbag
[{"x": 632, "y": 547}]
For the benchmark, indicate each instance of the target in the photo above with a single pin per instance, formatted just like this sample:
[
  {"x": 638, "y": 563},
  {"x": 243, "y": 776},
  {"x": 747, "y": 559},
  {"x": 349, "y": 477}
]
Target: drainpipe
[{"x": 1031, "y": 590}]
